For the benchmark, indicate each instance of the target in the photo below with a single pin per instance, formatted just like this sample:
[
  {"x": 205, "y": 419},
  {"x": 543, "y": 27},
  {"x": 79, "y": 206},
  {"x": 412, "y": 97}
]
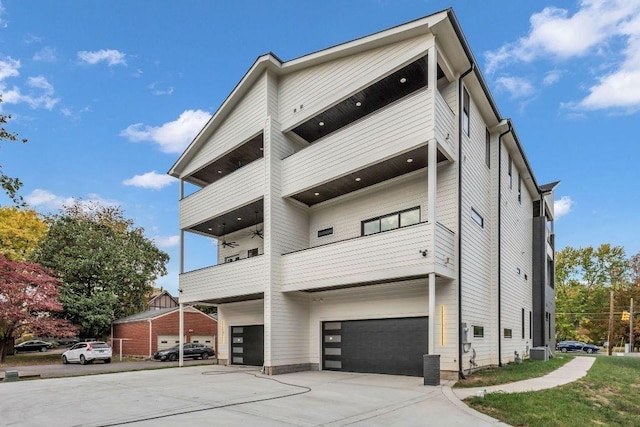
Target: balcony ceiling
[
  {"x": 230, "y": 162},
  {"x": 247, "y": 214},
  {"x": 391, "y": 88},
  {"x": 374, "y": 174}
]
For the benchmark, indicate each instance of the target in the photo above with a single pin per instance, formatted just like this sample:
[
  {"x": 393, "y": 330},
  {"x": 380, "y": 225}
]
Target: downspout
[
  {"x": 500, "y": 242},
  {"x": 150, "y": 338},
  {"x": 460, "y": 332}
]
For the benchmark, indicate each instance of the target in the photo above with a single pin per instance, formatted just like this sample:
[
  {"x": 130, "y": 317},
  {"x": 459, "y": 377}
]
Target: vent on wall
[{"x": 325, "y": 232}]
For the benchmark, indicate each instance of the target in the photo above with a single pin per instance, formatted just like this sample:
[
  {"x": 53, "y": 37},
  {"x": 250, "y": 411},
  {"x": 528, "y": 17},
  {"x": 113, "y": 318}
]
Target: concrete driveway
[{"x": 209, "y": 394}]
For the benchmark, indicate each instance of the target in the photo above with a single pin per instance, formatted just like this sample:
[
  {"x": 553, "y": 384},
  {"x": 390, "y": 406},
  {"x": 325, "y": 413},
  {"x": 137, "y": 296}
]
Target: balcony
[
  {"x": 235, "y": 281},
  {"x": 445, "y": 125},
  {"x": 385, "y": 257},
  {"x": 240, "y": 188}
]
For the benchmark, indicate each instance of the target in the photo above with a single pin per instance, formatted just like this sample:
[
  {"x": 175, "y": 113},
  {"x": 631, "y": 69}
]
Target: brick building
[{"x": 145, "y": 333}]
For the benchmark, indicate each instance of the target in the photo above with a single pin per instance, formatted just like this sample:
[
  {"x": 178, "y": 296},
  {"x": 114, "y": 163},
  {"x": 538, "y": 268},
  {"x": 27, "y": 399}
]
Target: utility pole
[
  {"x": 610, "y": 347},
  {"x": 631, "y": 337}
]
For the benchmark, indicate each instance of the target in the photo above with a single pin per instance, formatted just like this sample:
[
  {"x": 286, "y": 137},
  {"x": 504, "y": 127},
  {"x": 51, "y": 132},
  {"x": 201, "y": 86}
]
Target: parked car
[
  {"x": 33, "y": 345},
  {"x": 565, "y": 346},
  {"x": 193, "y": 350},
  {"x": 87, "y": 352}
]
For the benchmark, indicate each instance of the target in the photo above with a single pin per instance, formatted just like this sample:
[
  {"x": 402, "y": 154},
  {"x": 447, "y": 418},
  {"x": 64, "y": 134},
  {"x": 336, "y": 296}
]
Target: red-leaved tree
[{"x": 28, "y": 298}]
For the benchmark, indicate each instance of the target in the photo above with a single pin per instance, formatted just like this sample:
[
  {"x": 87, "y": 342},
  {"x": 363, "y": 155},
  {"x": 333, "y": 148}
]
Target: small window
[
  {"x": 252, "y": 252},
  {"x": 466, "y": 108},
  {"x": 523, "y": 323},
  {"x": 477, "y": 217},
  {"x": 508, "y": 333},
  {"x": 333, "y": 351},
  {"x": 231, "y": 258},
  {"x": 391, "y": 221},
  {"x": 332, "y": 325},
  {"x": 478, "y": 331},
  {"x": 371, "y": 227},
  {"x": 530, "y": 325},
  {"x": 519, "y": 189},
  {"x": 487, "y": 148},
  {"x": 510, "y": 170},
  {"x": 325, "y": 232},
  {"x": 409, "y": 217},
  {"x": 333, "y": 364},
  {"x": 332, "y": 338}
]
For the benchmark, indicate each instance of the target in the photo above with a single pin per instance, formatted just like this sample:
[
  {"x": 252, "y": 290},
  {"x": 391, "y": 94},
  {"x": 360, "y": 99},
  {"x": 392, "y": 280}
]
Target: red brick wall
[{"x": 138, "y": 332}]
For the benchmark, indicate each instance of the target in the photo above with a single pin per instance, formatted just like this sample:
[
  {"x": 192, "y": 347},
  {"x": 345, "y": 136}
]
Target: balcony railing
[
  {"x": 238, "y": 189},
  {"x": 242, "y": 277},
  {"x": 388, "y": 256}
]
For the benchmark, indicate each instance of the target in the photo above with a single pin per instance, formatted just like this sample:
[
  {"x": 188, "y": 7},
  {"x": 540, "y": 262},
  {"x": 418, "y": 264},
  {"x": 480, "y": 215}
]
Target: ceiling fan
[
  {"x": 257, "y": 231},
  {"x": 226, "y": 244}
]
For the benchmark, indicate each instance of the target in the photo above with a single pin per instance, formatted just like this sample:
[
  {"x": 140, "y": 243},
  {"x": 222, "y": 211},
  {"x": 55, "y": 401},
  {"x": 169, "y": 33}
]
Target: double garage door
[{"x": 382, "y": 346}]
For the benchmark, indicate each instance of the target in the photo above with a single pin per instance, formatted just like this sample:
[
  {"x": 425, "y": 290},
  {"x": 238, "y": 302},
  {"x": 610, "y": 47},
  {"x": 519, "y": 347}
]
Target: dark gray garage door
[
  {"x": 247, "y": 345},
  {"x": 382, "y": 346}
]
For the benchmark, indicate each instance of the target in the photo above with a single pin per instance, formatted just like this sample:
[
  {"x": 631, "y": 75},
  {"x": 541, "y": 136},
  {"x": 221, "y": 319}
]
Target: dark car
[
  {"x": 565, "y": 346},
  {"x": 33, "y": 345},
  {"x": 193, "y": 350}
]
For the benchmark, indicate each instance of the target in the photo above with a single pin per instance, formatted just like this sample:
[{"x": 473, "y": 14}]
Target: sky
[{"x": 109, "y": 94}]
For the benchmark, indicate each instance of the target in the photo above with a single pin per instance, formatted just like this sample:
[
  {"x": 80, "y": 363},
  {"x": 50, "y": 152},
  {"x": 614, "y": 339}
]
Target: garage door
[
  {"x": 204, "y": 339},
  {"x": 381, "y": 346},
  {"x": 168, "y": 341},
  {"x": 247, "y": 345}
]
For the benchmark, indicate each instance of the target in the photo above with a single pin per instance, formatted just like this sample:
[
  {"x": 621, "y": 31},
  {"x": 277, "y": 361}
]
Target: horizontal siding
[
  {"x": 245, "y": 185},
  {"x": 317, "y": 87},
  {"x": 244, "y": 313},
  {"x": 382, "y": 256},
  {"x": 445, "y": 124},
  {"x": 445, "y": 251},
  {"x": 243, "y": 122},
  {"x": 388, "y": 132},
  {"x": 243, "y": 277},
  {"x": 244, "y": 243}
]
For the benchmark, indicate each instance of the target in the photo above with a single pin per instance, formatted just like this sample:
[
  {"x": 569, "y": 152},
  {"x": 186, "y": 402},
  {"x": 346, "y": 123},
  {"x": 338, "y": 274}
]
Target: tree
[
  {"x": 28, "y": 298},
  {"x": 106, "y": 265},
  {"x": 9, "y": 185},
  {"x": 20, "y": 232},
  {"x": 584, "y": 277}
]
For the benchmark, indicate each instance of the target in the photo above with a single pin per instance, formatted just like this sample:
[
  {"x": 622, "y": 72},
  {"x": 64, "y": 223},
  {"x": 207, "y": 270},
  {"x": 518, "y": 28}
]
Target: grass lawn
[
  {"x": 608, "y": 396},
  {"x": 512, "y": 372}
]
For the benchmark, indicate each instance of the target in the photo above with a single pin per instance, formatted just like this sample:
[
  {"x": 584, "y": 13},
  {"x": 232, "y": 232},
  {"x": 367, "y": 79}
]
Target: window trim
[
  {"x": 466, "y": 112},
  {"x": 398, "y": 214},
  {"x": 325, "y": 232},
  {"x": 478, "y": 331},
  {"x": 477, "y": 218},
  {"x": 519, "y": 189},
  {"x": 523, "y": 323},
  {"x": 510, "y": 171},
  {"x": 487, "y": 149},
  {"x": 508, "y": 333}
]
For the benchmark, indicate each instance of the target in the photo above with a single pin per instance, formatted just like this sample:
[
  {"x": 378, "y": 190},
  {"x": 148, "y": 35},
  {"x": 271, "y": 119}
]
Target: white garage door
[
  {"x": 168, "y": 341},
  {"x": 204, "y": 339}
]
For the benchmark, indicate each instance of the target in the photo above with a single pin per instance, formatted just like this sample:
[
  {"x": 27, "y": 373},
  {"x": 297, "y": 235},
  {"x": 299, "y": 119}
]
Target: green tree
[
  {"x": 584, "y": 278},
  {"x": 20, "y": 232},
  {"x": 28, "y": 299},
  {"x": 9, "y": 185},
  {"x": 106, "y": 265}
]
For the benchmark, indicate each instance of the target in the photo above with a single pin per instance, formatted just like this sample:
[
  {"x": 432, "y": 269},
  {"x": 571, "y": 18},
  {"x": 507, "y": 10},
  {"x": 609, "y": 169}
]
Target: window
[
  {"x": 519, "y": 189},
  {"x": 325, "y": 232},
  {"x": 477, "y": 217},
  {"x": 252, "y": 252},
  {"x": 231, "y": 258},
  {"x": 478, "y": 331},
  {"x": 391, "y": 221},
  {"x": 530, "y": 325},
  {"x": 508, "y": 333},
  {"x": 466, "y": 108},
  {"x": 510, "y": 169},
  {"x": 487, "y": 148},
  {"x": 523, "y": 323}
]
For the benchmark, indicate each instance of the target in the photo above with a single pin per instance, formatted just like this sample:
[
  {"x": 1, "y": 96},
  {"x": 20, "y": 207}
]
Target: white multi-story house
[{"x": 370, "y": 205}]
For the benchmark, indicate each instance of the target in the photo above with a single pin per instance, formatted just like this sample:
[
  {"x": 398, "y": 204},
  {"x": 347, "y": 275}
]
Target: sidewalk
[{"x": 572, "y": 371}]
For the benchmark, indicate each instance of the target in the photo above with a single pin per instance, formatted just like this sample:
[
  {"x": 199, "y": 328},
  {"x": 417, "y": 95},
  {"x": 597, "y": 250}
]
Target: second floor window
[
  {"x": 466, "y": 108},
  {"x": 487, "y": 148},
  {"x": 391, "y": 221},
  {"x": 519, "y": 189},
  {"x": 510, "y": 171}
]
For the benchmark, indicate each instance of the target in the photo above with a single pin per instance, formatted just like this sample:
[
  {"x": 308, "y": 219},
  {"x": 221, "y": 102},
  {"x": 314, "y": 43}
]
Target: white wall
[{"x": 244, "y": 313}]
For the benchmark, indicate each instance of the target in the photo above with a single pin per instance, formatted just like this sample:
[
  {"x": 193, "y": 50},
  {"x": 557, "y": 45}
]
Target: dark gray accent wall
[{"x": 539, "y": 286}]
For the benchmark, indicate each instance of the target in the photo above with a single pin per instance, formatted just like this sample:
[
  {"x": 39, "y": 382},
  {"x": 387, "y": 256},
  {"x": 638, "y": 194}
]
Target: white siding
[
  {"x": 388, "y": 132},
  {"x": 237, "y": 189},
  {"x": 318, "y": 87},
  {"x": 245, "y": 121},
  {"x": 244, "y": 243},
  {"x": 445, "y": 124},
  {"x": 244, "y": 313}
]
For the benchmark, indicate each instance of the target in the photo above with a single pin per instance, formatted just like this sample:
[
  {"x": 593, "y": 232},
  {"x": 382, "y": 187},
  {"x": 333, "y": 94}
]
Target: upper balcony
[{"x": 384, "y": 257}]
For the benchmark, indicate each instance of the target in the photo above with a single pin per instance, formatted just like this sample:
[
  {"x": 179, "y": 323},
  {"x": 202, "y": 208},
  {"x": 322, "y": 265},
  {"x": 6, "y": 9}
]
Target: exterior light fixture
[
  {"x": 239, "y": 219},
  {"x": 358, "y": 104},
  {"x": 358, "y": 179},
  {"x": 403, "y": 80},
  {"x": 316, "y": 194},
  {"x": 409, "y": 160},
  {"x": 321, "y": 124}
]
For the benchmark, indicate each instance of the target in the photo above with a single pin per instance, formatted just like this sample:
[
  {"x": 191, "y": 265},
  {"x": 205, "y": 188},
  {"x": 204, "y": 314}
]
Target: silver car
[{"x": 87, "y": 352}]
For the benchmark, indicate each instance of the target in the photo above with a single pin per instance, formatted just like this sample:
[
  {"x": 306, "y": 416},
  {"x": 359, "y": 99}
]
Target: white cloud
[
  {"x": 110, "y": 56},
  {"x": 552, "y": 77},
  {"x": 562, "y": 207},
  {"x": 74, "y": 115},
  {"x": 517, "y": 87},
  {"x": 167, "y": 241},
  {"x": 46, "y": 200},
  {"x": 40, "y": 95},
  {"x": 46, "y": 54},
  {"x": 158, "y": 92},
  {"x": 3, "y": 22},
  {"x": 9, "y": 68},
  {"x": 151, "y": 180},
  {"x": 172, "y": 137}
]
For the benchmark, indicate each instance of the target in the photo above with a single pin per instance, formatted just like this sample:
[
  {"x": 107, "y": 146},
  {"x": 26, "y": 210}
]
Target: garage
[
  {"x": 167, "y": 341},
  {"x": 247, "y": 345},
  {"x": 380, "y": 346}
]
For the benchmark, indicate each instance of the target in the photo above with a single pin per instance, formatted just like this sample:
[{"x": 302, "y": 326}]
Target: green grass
[
  {"x": 608, "y": 396},
  {"x": 512, "y": 372}
]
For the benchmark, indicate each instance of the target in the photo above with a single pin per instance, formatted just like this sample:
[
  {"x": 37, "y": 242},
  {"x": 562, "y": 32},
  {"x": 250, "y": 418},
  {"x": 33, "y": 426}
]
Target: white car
[{"x": 87, "y": 352}]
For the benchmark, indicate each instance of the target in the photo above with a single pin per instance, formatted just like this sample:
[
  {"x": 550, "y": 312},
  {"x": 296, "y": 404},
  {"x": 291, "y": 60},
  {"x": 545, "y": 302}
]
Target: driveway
[{"x": 210, "y": 394}]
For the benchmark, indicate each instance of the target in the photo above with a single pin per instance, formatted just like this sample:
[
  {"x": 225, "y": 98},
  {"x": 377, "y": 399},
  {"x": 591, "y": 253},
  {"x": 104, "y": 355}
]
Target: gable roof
[
  {"x": 154, "y": 314},
  {"x": 157, "y": 294}
]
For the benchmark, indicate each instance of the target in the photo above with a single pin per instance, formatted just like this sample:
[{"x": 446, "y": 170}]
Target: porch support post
[
  {"x": 181, "y": 340},
  {"x": 432, "y": 313},
  {"x": 432, "y": 172}
]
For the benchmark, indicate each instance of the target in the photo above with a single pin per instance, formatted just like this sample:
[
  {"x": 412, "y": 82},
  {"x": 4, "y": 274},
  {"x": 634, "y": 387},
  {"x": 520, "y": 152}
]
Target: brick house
[{"x": 145, "y": 333}]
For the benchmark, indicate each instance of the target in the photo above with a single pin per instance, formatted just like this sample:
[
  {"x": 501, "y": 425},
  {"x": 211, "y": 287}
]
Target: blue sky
[{"x": 110, "y": 93}]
